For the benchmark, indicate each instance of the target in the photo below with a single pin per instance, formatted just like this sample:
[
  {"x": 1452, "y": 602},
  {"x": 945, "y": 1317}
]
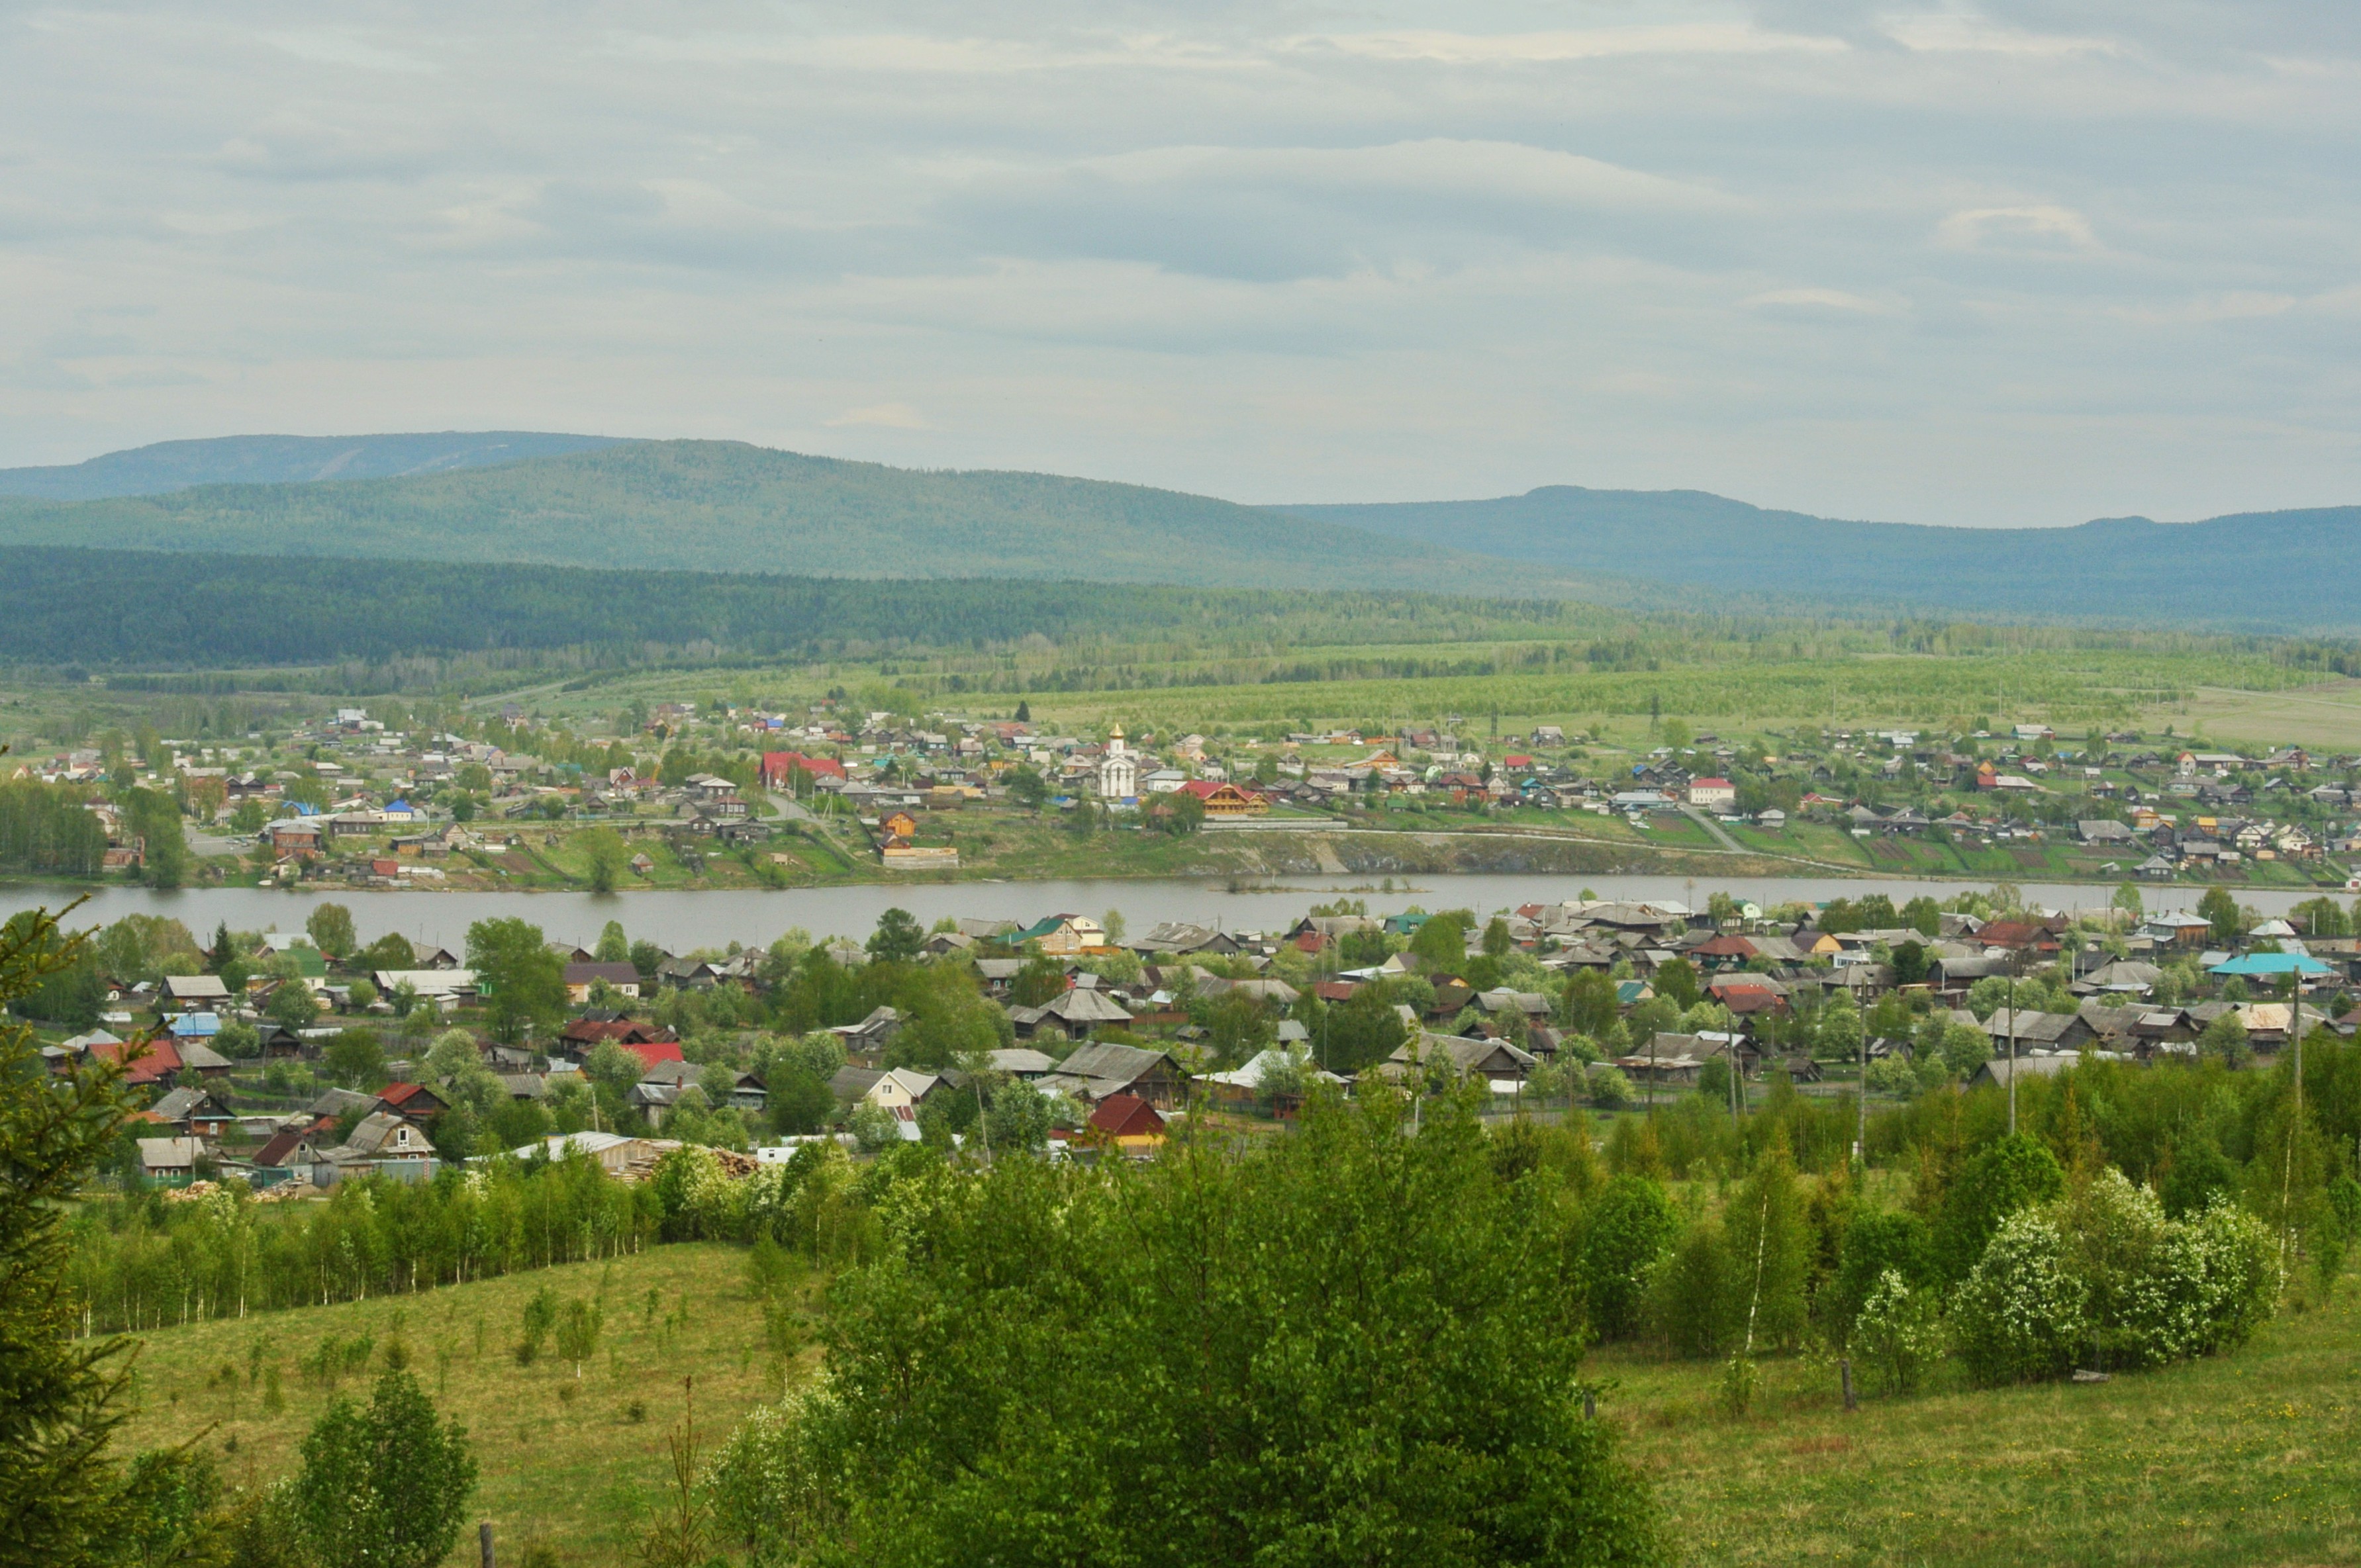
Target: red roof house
[
  {"x": 161, "y": 1063},
  {"x": 1126, "y": 1119},
  {"x": 651, "y": 1052},
  {"x": 778, "y": 765},
  {"x": 411, "y": 1102}
]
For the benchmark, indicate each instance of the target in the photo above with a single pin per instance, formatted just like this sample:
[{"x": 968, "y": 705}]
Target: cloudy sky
[{"x": 2016, "y": 263}]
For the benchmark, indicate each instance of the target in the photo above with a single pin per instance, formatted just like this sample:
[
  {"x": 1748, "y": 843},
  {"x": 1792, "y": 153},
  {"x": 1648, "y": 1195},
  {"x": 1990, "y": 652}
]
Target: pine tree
[{"x": 62, "y": 1499}]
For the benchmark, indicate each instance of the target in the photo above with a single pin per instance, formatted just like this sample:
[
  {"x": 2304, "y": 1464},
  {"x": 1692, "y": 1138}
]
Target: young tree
[
  {"x": 1770, "y": 1249},
  {"x": 613, "y": 946},
  {"x": 1911, "y": 964},
  {"x": 1588, "y": 1005},
  {"x": 390, "y": 952},
  {"x": 648, "y": 958},
  {"x": 1442, "y": 939},
  {"x": 606, "y": 853},
  {"x": 2224, "y": 1040},
  {"x": 291, "y": 1005},
  {"x": 1350, "y": 1279},
  {"x": 330, "y": 926},
  {"x": 898, "y": 939},
  {"x": 1836, "y": 1031},
  {"x": 354, "y": 1059},
  {"x": 577, "y": 1332},
  {"x": 1677, "y": 983},
  {"x": 2018, "y": 1172},
  {"x": 2222, "y": 909},
  {"x": 523, "y": 981},
  {"x": 798, "y": 1102},
  {"x": 1027, "y": 787},
  {"x": 386, "y": 1486},
  {"x": 1624, "y": 1234},
  {"x": 1497, "y": 941}
]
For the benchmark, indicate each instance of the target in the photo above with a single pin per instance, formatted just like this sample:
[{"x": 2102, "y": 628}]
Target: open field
[
  {"x": 575, "y": 1470},
  {"x": 2325, "y": 717},
  {"x": 2253, "y": 1458},
  {"x": 2250, "y": 1458}
]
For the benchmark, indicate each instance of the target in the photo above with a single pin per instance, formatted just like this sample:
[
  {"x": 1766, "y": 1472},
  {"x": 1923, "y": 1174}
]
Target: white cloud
[
  {"x": 893, "y": 416},
  {"x": 1600, "y": 43},
  {"x": 2041, "y": 228},
  {"x": 1357, "y": 251},
  {"x": 1821, "y": 300},
  {"x": 326, "y": 48},
  {"x": 1960, "y": 32}
]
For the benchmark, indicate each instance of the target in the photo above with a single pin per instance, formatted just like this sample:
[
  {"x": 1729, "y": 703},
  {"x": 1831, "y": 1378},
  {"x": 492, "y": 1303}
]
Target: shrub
[
  {"x": 385, "y": 1486},
  {"x": 2018, "y": 1316},
  {"x": 1770, "y": 1252},
  {"x": 1609, "y": 1088},
  {"x": 1696, "y": 1303},
  {"x": 1898, "y": 1334},
  {"x": 1624, "y": 1236},
  {"x": 2015, "y": 1173},
  {"x": 1875, "y": 1244},
  {"x": 698, "y": 1200},
  {"x": 2197, "y": 1176},
  {"x": 774, "y": 1482},
  {"x": 2107, "y": 1272}
]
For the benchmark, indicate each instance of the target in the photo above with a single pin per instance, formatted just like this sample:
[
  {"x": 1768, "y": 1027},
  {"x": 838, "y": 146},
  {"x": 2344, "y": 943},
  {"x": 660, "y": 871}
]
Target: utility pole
[{"x": 2011, "y": 1047}]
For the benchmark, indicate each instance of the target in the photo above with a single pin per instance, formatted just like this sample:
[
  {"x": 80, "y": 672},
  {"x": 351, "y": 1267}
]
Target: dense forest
[
  {"x": 207, "y": 625},
  {"x": 727, "y": 507}
]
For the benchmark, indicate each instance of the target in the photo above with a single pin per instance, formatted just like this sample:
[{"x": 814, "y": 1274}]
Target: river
[{"x": 681, "y": 921}]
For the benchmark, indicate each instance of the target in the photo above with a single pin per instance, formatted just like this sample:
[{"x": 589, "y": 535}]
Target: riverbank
[
  {"x": 1262, "y": 850},
  {"x": 683, "y": 919}
]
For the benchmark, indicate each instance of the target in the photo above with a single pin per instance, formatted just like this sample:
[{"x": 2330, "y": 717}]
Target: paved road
[{"x": 1697, "y": 815}]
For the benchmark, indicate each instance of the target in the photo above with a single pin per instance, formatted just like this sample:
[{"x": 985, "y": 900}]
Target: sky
[{"x": 2007, "y": 264}]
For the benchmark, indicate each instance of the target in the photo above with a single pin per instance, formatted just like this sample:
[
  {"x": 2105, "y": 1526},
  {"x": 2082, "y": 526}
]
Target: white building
[
  {"x": 1712, "y": 792},
  {"x": 1118, "y": 771}
]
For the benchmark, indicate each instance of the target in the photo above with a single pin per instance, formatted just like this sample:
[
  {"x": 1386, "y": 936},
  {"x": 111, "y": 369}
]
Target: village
[
  {"x": 294, "y": 1061},
  {"x": 719, "y": 795}
]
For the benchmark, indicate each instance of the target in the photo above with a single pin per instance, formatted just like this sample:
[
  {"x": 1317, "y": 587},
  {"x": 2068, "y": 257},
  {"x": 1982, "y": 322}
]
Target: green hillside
[
  {"x": 283, "y": 459},
  {"x": 2245, "y": 1458},
  {"x": 723, "y": 506},
  {"x": 2277, "y": 570}
]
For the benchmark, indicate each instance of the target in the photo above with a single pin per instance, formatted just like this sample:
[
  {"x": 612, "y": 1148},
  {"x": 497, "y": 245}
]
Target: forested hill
[
  {"x": 723, "y": 506},
  {"x": 275, "y": 459},
  {"x": 115, "y": 609},
  {"x": 2261, "y": 571}
]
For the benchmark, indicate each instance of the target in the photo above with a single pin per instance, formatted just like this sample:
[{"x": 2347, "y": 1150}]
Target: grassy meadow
[
  {"x": 2250, "y": 1458},
  {"x": 573, "y": 1463}
]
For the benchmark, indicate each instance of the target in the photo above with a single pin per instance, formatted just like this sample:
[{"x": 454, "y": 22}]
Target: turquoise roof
[{"x": 2272, "y": 964}]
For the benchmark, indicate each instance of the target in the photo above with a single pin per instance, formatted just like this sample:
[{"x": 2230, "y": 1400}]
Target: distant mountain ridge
[
  {"x": 2261, "y": 571},
  {"x": 284, "y": 459},
  {"x": 728, "y": 507},
  {"x": 595, "y": 501}
]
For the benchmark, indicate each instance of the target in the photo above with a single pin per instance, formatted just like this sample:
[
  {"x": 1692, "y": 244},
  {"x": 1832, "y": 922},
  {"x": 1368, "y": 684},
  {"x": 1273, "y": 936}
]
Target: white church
[{"x": 1118, "y": 772}]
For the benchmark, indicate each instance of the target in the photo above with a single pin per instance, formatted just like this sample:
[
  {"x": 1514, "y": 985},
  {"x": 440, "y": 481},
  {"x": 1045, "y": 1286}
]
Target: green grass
[
  {"x": 576, "y": 1473},
  {"x": 2248, "y": 1458}
]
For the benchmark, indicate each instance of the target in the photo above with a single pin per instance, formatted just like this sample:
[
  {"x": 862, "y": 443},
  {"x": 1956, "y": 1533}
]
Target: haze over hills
[
  {"x": 728, "y": 507},
  {"x": 2264, "y": 571},
  {"x": 722, "y": 505},
  {"x": 274, "y": 459}
]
